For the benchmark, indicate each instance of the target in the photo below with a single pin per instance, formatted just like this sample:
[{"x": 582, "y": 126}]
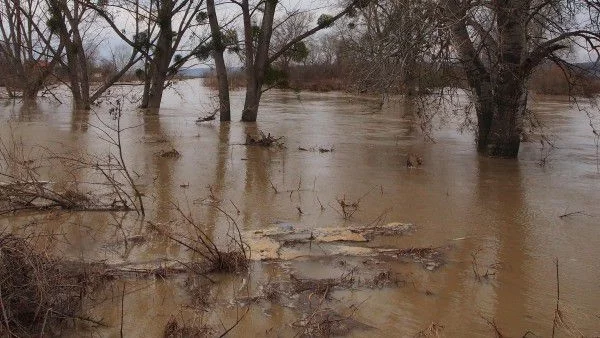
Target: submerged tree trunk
[
  {"x": 159, "y": 65},
  {"x": 500, "y": 92},
  {"x": 30, "y": 95},
  {"x": 221, "y": 69},
  {"x": 251, "y": 102},
  {"x": 255, "y": 75},
  {"x": 499, "y": 119},
  {"x": 259, "y": 60}
]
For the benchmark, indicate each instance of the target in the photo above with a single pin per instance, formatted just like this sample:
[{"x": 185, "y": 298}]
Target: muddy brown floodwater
[{"x": 456, "y": 213}]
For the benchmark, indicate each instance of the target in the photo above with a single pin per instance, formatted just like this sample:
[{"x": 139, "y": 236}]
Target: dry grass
[
  {"x": 319, "y": 78},
  {"x": 237, "y": 80},
  {"x": 551, "y": 80},
  {"x": 214, "y": 258}
]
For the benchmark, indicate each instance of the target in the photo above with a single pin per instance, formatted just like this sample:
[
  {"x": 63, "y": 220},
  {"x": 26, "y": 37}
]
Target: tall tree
[
  {"x": 257, "y": 53},
  {"x": 77, "y": 27},
  {"x": 164, "y": 34},
  {"x": 218, "y": 50},
  {"x": 27, "y": 47},
  {"x": 388, "y": 43},
  {"x": 500, "y": 43}
]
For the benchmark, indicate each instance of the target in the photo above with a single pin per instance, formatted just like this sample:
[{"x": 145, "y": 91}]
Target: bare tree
[
  {"x": 25, "y": 48},
  {"x": 218, "y": 49},
  {"x": 77, "y": 27},
  {"x": 164, "y": 35},
  {"x": 287, "y": 29},
  {"x": 499, "y": 44},
  {"x": 387, "y": 43},
  {"x": 257, "y": 53}
]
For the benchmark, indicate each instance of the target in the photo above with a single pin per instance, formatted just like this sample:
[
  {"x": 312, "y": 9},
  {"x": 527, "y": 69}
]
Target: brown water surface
[{"x": 505, "y": 211}]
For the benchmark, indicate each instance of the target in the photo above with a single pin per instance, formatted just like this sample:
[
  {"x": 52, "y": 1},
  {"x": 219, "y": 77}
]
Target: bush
[{"x": 38, "y": 292}]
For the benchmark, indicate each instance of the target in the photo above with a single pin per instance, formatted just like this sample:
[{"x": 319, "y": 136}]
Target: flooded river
[{"x": 484, "y": 215}]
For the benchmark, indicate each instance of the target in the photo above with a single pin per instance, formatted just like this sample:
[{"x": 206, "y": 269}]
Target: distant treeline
[{"x": 549, "y": 79}]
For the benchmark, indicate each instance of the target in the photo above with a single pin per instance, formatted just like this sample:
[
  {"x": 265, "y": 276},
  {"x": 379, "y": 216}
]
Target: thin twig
[{"x": 122, "y": 308}]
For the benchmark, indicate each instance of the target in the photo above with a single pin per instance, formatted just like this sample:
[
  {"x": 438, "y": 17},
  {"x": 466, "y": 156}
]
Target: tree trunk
[
  {"x": 156, "y": 91},
  {"x": 500, "y": 92},
  {"x": 500, "y": 124},
  {"x": 82, "y": 69},
  {"x": 221, "y": 69},
  {"x": 162, "y": 58},
  {"x": 30, "y": 95},
  {"x": 146, "y": 92},
  {"x": 252, "y": 101},
  {"x": 510, "y": 92},
  {"x": 255, "y": 77}
]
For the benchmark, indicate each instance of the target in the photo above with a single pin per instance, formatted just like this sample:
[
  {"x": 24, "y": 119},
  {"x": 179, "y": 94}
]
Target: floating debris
[
  {"x": 210, "y": 117},
  {"x": 288, "y": 242},
  {"x": 414, "y": 160},
  {"x": 173, "y": 153},
  {"x": 264, "y": 140},
  {"x": 317, "y": 149}
]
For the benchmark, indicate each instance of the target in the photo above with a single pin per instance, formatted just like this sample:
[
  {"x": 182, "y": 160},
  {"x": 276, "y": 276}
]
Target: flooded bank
[{"x": 488, "y": 217}]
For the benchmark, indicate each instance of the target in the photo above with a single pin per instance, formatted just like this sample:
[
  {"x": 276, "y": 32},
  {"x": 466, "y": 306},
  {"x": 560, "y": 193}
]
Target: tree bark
[
  {"x": 500, "y": 92},
  {"x": 221, "y": 69},
  {"x": 159, "y": 65},
  {"x": 255, "y": 78},
  {"x": 30, "y": 95}
]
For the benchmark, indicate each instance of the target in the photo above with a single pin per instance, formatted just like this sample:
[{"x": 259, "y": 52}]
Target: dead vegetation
[
  {"x": 490, "y": 270},
  {"x": 347, "y": 208},
  {"x": 26, "y": 185},
  {"x": 209, "y": 117},
  {"x": 492, "y": 323},
  {"x": 313, "y": 297},
  {"x": 264, "y": 140},
  {"x": 413, "y": 160},
  {"x": 175, "y": 329},
  {"x": 38, "y": 293},
  {"x": 171, "y": 153},
  {"x": 429, "y": 257},
  {"x": 233, "y": 259},
  {"x": 154, "y": 139},
  {"x": 433, "y": 330},
  {"x": 325, "y": 322}
]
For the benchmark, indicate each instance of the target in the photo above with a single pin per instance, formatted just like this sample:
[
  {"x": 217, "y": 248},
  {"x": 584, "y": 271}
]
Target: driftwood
[{"x": 210, "y": 117}]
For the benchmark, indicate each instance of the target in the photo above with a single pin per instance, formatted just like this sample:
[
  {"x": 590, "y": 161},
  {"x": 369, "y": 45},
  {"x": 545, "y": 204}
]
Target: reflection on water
[{"x": 504, "y": 212}]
